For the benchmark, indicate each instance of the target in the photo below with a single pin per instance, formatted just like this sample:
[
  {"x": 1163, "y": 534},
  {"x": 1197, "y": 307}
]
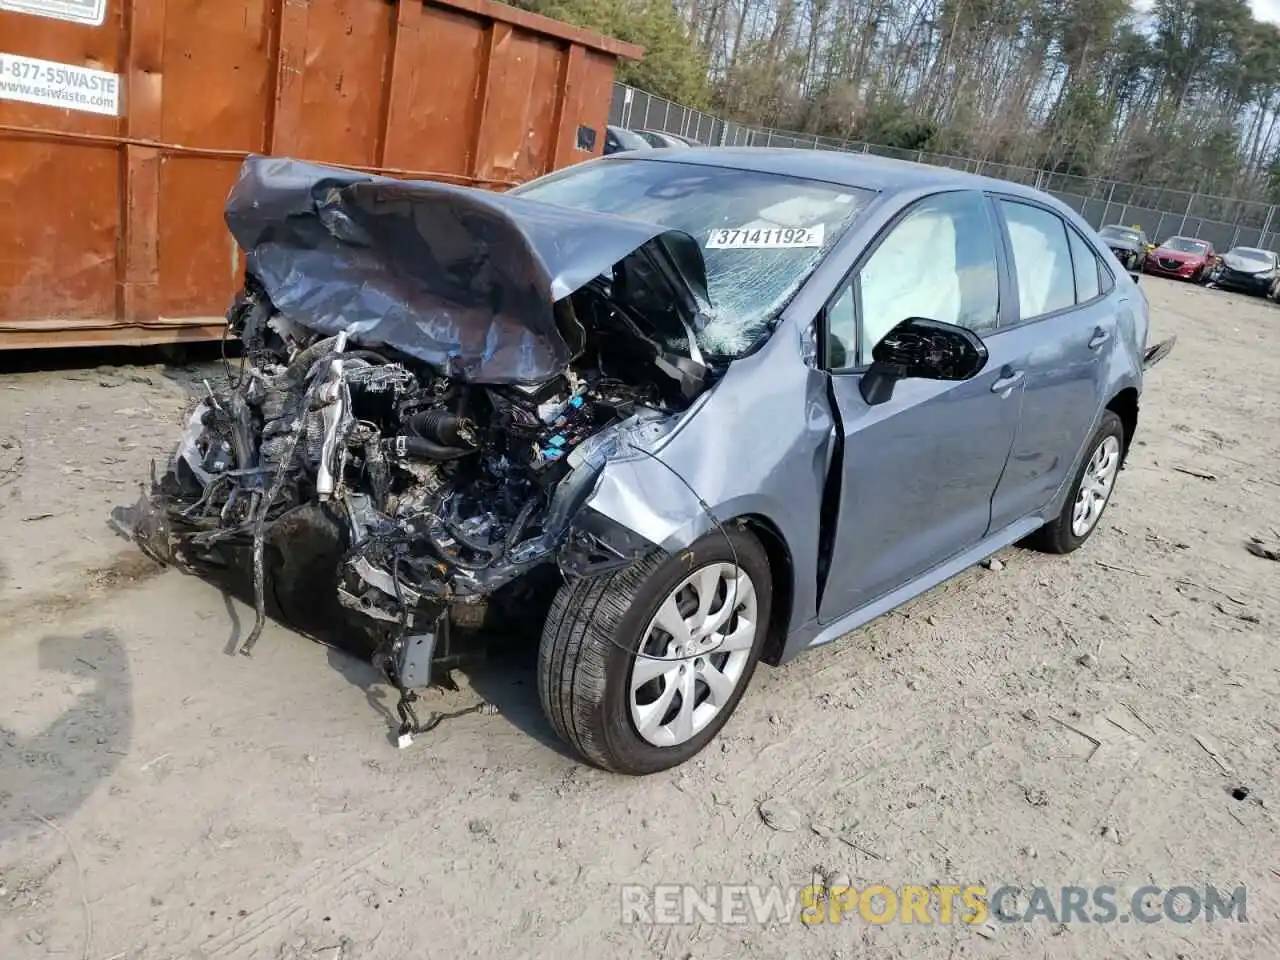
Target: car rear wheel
[
  {"x": 638, "y": 670},
  {"x": 1090, "y": 493}
]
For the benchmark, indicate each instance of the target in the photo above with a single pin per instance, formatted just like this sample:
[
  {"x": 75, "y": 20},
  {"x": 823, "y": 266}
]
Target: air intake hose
[{"x": 442, "y": 427}]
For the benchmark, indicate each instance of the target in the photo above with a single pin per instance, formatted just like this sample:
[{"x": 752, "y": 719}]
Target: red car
[{"x": 1185, "y": 258}]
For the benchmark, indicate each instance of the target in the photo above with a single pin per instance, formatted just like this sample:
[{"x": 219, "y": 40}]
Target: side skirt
[{"x": 825, "y": 633}]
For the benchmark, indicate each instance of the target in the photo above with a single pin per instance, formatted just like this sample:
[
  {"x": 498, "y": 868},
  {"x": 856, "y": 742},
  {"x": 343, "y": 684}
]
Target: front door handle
[
  {"x": 1100, "y": 337},
  {"x": 1006, "y": 384}
]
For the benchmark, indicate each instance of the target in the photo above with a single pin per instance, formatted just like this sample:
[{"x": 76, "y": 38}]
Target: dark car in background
[
  {"x": 620, "y": 139},
  {"x": 1247, "y": 269},
  {"x": 1129, "y": 244},
  {"x": 1183, "y": 258}
]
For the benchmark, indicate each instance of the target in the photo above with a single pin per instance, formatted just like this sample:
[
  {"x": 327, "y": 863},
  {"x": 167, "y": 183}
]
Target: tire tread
[
  {"x": 587, "y": 640},
  {"x": 573, "y": 654}
]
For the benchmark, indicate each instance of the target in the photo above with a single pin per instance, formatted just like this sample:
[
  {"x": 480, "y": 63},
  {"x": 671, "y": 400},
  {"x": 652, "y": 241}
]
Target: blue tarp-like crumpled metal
[{"x": 462, "y": 279}]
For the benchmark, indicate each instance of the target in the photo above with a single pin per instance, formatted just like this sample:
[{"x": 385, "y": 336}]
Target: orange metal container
[{"x": 112, "y": 225}]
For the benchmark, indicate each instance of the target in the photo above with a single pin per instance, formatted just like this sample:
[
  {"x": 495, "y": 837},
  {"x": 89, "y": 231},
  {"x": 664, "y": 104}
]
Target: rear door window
[
  {"x": 1041, "y": 259},
  {"x": 1087, "y": 268}
]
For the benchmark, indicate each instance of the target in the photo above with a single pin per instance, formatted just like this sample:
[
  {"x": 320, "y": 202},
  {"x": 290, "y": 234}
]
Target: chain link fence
[{"x": 1224, "y": 221}]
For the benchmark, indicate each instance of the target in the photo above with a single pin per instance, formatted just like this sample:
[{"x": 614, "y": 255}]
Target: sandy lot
[{"x": 161, "y": 799}]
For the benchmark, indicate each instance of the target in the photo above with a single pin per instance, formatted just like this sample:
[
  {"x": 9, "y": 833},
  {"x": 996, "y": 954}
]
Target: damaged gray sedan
[{"x": 691, "y": 411}]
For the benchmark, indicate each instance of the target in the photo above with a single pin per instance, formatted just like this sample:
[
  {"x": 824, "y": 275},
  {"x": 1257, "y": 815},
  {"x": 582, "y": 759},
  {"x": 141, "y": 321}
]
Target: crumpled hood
[
  {"x": 462, "y": 279},
  {"x": 1244, "y": 264}
]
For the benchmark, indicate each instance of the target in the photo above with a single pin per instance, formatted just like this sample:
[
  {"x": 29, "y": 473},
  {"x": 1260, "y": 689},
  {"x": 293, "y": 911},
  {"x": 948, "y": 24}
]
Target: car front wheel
[
  {"x": 638, "y": 670},
  {"x": 1090, "y": 493}
]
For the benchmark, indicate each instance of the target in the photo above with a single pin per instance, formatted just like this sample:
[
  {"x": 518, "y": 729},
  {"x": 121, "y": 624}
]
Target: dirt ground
[{"x": 162, "y": 799}]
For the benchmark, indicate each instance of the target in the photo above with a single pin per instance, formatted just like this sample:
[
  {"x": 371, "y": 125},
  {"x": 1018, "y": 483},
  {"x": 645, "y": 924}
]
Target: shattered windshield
[{"x": 761, "y": 234}]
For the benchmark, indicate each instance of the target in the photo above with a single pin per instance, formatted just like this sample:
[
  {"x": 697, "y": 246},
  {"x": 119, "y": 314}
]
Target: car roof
[
  {"x": 859, "y": 170},
  {"x": 1268, "y": 253}
]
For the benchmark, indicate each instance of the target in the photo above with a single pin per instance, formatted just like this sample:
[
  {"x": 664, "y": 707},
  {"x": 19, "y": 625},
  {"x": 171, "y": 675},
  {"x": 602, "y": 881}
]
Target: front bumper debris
[
  {"x": 1242, "y": 282},
  {"x": 1154, "y": 354}
]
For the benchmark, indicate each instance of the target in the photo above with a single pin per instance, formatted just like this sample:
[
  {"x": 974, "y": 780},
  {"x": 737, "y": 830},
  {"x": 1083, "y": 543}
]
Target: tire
[
  {"x": 587, "y": 654},
  {"x": 1060, "y": 534}
]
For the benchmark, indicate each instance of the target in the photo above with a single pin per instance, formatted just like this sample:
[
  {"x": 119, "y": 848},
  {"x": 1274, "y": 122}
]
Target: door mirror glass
[
  {"x": 931, "y": 350},
  {"x": 922, "y": 349}
]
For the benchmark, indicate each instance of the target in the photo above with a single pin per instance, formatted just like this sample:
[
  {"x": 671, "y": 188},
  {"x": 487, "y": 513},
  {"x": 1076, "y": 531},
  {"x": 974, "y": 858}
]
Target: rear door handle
[
  {"x": 1005, "y": 384},
  {"x": 1100, "y": 337}
]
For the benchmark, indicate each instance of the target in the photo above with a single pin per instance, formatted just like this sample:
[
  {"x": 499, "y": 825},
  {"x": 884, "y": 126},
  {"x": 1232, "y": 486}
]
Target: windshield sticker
[{"x": 774, "y": 238}]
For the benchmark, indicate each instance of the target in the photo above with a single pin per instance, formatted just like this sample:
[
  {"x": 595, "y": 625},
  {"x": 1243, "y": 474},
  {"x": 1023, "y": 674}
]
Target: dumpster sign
[
  {"x": 89, "y": 12},
  {"x": 64, "y": 85}
]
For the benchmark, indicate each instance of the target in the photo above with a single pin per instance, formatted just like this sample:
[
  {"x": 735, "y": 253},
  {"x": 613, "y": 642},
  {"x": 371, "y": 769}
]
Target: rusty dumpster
[{"x": 124, "y": 122}]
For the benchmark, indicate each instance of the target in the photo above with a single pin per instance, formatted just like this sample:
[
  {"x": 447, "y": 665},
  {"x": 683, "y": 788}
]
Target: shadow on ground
[
  {"x": 48, "y": 774},
  {"x": 499, "y": 664}
]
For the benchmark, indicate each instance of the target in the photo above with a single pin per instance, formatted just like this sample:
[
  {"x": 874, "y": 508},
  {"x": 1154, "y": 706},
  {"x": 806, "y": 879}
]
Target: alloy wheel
[
  {"x": 693, "y": 654},
  {"x": 1096, "y": 485}
]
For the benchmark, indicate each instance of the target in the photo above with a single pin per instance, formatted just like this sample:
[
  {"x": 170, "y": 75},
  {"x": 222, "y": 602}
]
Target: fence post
[
  {"x": 1107, "y": 207},
  {"x": 1186, "y": 213},
  {"x": 666, "y": 115},
  {"x": 1266, "y": 225},
  {"x": 644, "y": 121}
]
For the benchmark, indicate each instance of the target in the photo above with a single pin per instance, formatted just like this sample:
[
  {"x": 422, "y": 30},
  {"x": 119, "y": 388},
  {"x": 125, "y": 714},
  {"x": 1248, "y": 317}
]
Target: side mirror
[
  {"x": 1135, "y": 276},
  {"x": 922, "y": 349}
]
